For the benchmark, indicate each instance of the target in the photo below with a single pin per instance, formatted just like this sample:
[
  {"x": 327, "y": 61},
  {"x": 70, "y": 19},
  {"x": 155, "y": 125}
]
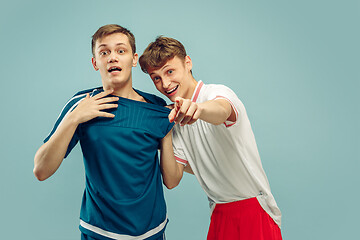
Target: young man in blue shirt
[{"x": 120, "y": 130}]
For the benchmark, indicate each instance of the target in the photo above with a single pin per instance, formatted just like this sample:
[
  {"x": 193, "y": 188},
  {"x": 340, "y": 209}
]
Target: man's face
[
  {"x": 114, "y": 59},
  {"x": 174, "y": 78}
]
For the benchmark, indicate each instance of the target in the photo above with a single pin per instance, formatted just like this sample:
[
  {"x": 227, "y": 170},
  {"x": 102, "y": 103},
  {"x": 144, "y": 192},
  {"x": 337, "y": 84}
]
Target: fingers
[
  {"x": 92, "y": 107},
  {"x": 107, "y": 100},
  {"x": 175, "y": 108},
  {"x": 103, "y": 94},
  {"x": 195, "y": 117},
  {"x": 189, "y": 115},
  {"x": 181, "y": 107},
  {"x": 104, "y": 102},
  {"x": 185, "y": 112},
  {"x": 99, "y": 111},
  {"x": 107, "y": 106},
  {"x": 106, "y": 114},
  {"x": 178, "y": 103}
]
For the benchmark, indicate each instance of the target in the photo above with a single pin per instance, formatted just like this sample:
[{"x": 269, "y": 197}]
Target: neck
[
  {"x": 192, "y": 87},
  {"x": 124, "y": 90}
]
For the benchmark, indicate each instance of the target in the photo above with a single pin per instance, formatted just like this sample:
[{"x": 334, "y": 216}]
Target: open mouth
[
  {"x": 172, "y": 90},
  {"x": 113, "y": 69}
]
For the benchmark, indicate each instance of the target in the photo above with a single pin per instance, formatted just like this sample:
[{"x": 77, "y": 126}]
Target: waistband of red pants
[{"x": 246, "y": 203}]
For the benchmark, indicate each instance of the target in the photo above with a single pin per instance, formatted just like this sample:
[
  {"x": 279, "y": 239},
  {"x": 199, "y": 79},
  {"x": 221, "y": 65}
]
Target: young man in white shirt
[{"x": 213, "y": 140}]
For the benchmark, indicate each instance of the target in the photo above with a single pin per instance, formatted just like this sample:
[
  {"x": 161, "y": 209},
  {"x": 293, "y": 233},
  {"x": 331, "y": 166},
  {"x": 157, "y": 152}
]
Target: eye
[
  {"x": 103, "y": 53},
  {"x": 170, "y": 71},
  {"x": 121, "y": 51},
  {"x": 156, "y": 79}
]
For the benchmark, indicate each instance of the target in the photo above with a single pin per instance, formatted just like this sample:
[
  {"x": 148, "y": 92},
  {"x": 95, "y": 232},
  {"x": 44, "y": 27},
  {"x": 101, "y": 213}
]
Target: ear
[
  {"x": 188, "y": 63},
  {"x": 93, "y": 61},
  {"x": 135, "y": 59}
]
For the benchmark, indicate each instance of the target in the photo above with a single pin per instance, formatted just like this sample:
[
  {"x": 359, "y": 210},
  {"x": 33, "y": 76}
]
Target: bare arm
[
  {"x": 214, "y": 111},
  {"x": 50, "y": 155},
  {"x": 171, "y": 170},
  {"x": 188, "y": 169}
]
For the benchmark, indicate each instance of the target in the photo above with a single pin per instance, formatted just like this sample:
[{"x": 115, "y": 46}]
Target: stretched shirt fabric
[
  {"x": 224, "y": 158},
  {"x": 123, "y": 197}
]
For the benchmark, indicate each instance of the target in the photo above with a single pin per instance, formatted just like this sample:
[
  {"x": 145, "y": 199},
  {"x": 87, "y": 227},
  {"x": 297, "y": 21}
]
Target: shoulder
[
  {"x": 211, "y": 91},
  {"x": 152, "y": 98},
  {"x": 217, "y": 87},
  {"x": 80, "y": 95},
  {"x": 90, "y": 90}
]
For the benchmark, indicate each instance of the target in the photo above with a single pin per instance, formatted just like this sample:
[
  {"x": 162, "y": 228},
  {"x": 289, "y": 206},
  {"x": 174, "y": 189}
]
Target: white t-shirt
[{"x": 224, "y": 158}]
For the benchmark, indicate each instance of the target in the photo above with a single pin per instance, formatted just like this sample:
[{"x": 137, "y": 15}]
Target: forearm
[
  {"x": 188, "y": 169},
  {"x": 172, "y": 171},
  {"x": 215, "y": 111},
  {"x": 51, "y": 154}
]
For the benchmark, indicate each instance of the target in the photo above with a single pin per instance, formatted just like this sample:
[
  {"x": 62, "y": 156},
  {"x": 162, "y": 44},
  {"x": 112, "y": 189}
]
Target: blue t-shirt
[{"x": 123, "y": 197}]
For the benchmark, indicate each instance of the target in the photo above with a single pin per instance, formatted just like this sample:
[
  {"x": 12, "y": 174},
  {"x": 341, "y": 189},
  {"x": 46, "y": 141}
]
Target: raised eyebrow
[
  {"x": 101, "y": 45},
  {"x": 122, "y": 45},
  {"x": 165, "y": 66},
  {"x": 161, "y": 69},
  {"x": 105, "y": 45}
]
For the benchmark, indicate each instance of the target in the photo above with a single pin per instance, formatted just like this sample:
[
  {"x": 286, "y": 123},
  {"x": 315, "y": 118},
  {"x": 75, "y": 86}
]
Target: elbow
[
  {"x": 40, "y": 170},
  {"x": 171, "y": 185},
  {"x": 39, "y": 174},
  {"x": 172, "y": 180}
]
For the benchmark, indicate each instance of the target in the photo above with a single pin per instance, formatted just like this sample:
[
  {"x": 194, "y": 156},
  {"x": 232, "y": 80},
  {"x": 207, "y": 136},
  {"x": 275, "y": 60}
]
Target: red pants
[{"x": 242, "y": 220}]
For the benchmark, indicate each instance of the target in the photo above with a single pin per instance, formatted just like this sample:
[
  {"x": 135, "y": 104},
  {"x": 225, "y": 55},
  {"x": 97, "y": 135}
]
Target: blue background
[{"x": 294, "y": 64}]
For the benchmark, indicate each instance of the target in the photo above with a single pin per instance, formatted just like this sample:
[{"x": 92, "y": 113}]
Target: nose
[
  {"x": 112, "y": 58},
  {"x": 166, "y": 82}
]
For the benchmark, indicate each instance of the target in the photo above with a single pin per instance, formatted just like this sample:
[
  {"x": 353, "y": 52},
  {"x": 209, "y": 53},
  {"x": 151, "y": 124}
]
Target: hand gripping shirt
[
  {"x": 224, "y": 158},
  {"x": 123, "y": 197}
]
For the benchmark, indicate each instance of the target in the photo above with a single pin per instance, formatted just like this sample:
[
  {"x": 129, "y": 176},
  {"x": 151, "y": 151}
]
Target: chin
[
  {"x": 172, "y": 98},
  {"x": 116, "y": 81}
]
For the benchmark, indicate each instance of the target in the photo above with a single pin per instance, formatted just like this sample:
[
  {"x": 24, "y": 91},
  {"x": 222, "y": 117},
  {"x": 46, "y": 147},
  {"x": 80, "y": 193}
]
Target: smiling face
[
  {"x": 174, "y": 78},
  {"x": 114, "y": 59}
]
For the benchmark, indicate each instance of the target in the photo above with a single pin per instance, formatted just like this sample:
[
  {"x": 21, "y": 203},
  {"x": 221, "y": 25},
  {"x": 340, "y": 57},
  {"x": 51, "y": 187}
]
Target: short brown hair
[
  {"x": 161, "y": 51},
  {"x": 111, "y": 29}
]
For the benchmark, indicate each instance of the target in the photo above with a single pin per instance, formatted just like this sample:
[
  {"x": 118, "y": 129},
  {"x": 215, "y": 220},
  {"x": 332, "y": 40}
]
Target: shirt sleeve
[
  {"x": 69, "y": 106},
  {"x": 178, "y": 148},
  {"x": 223, "y": 92}
]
